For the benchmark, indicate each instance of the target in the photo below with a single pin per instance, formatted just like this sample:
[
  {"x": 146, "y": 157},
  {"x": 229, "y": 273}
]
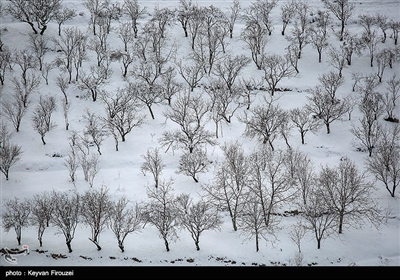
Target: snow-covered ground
[{"x": 39, "y": 171}]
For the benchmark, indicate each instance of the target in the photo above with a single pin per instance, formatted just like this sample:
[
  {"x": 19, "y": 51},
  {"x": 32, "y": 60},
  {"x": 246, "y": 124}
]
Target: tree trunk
[
  {"x": 44, "y": 143},
  {"x": 166, "y": 244},
  {"x": 194, "y": 178},
  {"x": 328, "y": 129},
  {"x": 69, "y": 246}
]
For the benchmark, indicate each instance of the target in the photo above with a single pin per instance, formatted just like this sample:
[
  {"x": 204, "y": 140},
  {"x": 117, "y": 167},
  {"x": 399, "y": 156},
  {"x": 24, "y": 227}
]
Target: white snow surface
[{"x": 38, "y": 171}]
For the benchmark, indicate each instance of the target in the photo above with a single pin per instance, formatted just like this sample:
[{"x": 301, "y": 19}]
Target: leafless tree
[
  {"x": 63, "y": 15},
  {"x": 349, "y": 194},
  {"x": 264, "y": 121},
  {"x": 41, "y": 117},
  {"x": 228, "y": 191},
  {"x": 154, "y": 164},
  {"x": 356, "y": 77},
  {"x": 251, "y": 221},
  {"x": 300, "y": 33},
  {"x": 351, "y": 44},
  {"x": 122, "y": 113},
  {"x": 38, "y": 44},
  {"x": 146, "y": 94},
  {"x": 292, "y": 54},
  {"x": 66, "y": 214},
  {"x": 234, "y": 14},
  {"x": 63, "y": 84},
  {"x": 124, "y": 220},
  {"x": 184, "y": 12},
  {"x": 69, "y": 43},
  {"x": 24, "y": 87},
  {"x": 134, "y": 12},
  {"x": 324, "y": 107},
  {"x": 72, "y": 163},
  {"x": 385, "y": 163},
  {"x": 319, "y": 33},
  {"x": 14, "y": 111},
  {"x": 371, "y": 103},
  {"x": 46, "y": 68},
  {"x": 5, "y": 62},
  {"x": 367, "y": 133},
  {"x": 10, "y": 154},
  {"x": 229, "y": 68},
  {"x": 192, "y": 73},
  {"x": 391, "y": 95},
  {"x": 41, "y": 209},
  {"x": 318, "y": 219},
  {"x": 255, "y": 36},
  {"x": 26, "y": 60},
  {"x": 370, "y": 41},
  {"x": 270, "y": 182},
  {"x": 16, "y": 215},
  {"x": 195, "y": 22},
  {"x": 191, "y": 164},
  {"x": 383, "y": 60},
  {"x": 125, "y": 33},
  {"x": 197, "y": 217},
  {"x": 161, "y": 211},
  {"x": 395, "y": 26},
  {"x": 276, "y": 67},
  {"x": 190, "y": 113},
  {"x": 304, "y": 121},
  {"x": 34, "y": 11},
  {"x": 169, "y": 86},
  {"x": 94, "y": 210},
  {"x": 287, "y": 14},
  {"x": 330, "y": 82},
  {"x": 338, "y": 58},
  {"x": 93, "y": 81},
  {"x": 342, "y": 10},
  {"x": 382, "y": 22},
  {"x": 95, "y": 128}
]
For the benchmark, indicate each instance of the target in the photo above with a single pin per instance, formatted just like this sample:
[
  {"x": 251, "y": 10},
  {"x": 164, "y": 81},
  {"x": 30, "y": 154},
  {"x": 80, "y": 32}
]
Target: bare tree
[
  {"x": 191, "y": 164},
  {"x": 184, "y": 12},
  {"x": 264, "y": 122},
  {"x": 94, "y": 81},
  {"x": 95, "y": 128},
  {"x": 304, "y": 122},
  {"x": 16, "y": 215},
  {"x": 251, "y": 220},
  {"x": 69, "y": 43},
  {"x": 161, "y": 211},
  {"x": 42, "y": 207},
  {"x": 122, "y": 113},
  {"x": 24, "y": 87},
  {"x": 276, "y": 67},
  {"x": 94, "y": 210},
  {"x": 255, "y": 37},
  {"x": 349, "y": 194},
  {"x": 342, "y": 10},
  {"x": 385, "y": 163},
  {"x": 124, "y": 220},
  {"x": 370, "y": 41},
  {"x": 63, "y": 15},
  {"x": 72, "y": 163},
  {"x": 47, "y": 67},
  {"x": 5, "y": 62},
  {"x": 197, "y": 217},
  {"x": 14, "y": 111},
  {"x": 383, "y": 60},
  {"x": 38, "y": 44},
  {"x": 41, "y": 117},
  {"x": 287, "y": 14},
  {"x": 66, "y": 214},
  {"x": 395, "y": 26},
  {"x": 134, "y": 12},
  {"x": 324, "y": 107},
  {"x": 319, "y": 33},
  {"x": 318, "y": 219},
  {"x": 338, "y": 58},
  {"x": 34, "y": 11},
  {"x": 10, "y": 154},
  {"x": 234, "y": 14},
  {"x": 391, "y": 95},
  {"x": 229, "y": 187},
  {"x": 190, "y": 113},
  {"x": 230, "y": 68},
  {"x": 330, "y": 82},
  {"x": 63, "y": 84},
  {"x": 382, "y": 22},
  {"x": 169, "y": 85},
  {"x": 368, "y": 133},
  {"x": 153, "y": 163},
  {"x": 191, "y": 72}
]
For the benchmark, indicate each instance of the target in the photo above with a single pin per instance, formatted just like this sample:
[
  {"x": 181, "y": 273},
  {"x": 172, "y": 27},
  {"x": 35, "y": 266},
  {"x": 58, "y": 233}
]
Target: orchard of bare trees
[{"x": 208, "y": 84}]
